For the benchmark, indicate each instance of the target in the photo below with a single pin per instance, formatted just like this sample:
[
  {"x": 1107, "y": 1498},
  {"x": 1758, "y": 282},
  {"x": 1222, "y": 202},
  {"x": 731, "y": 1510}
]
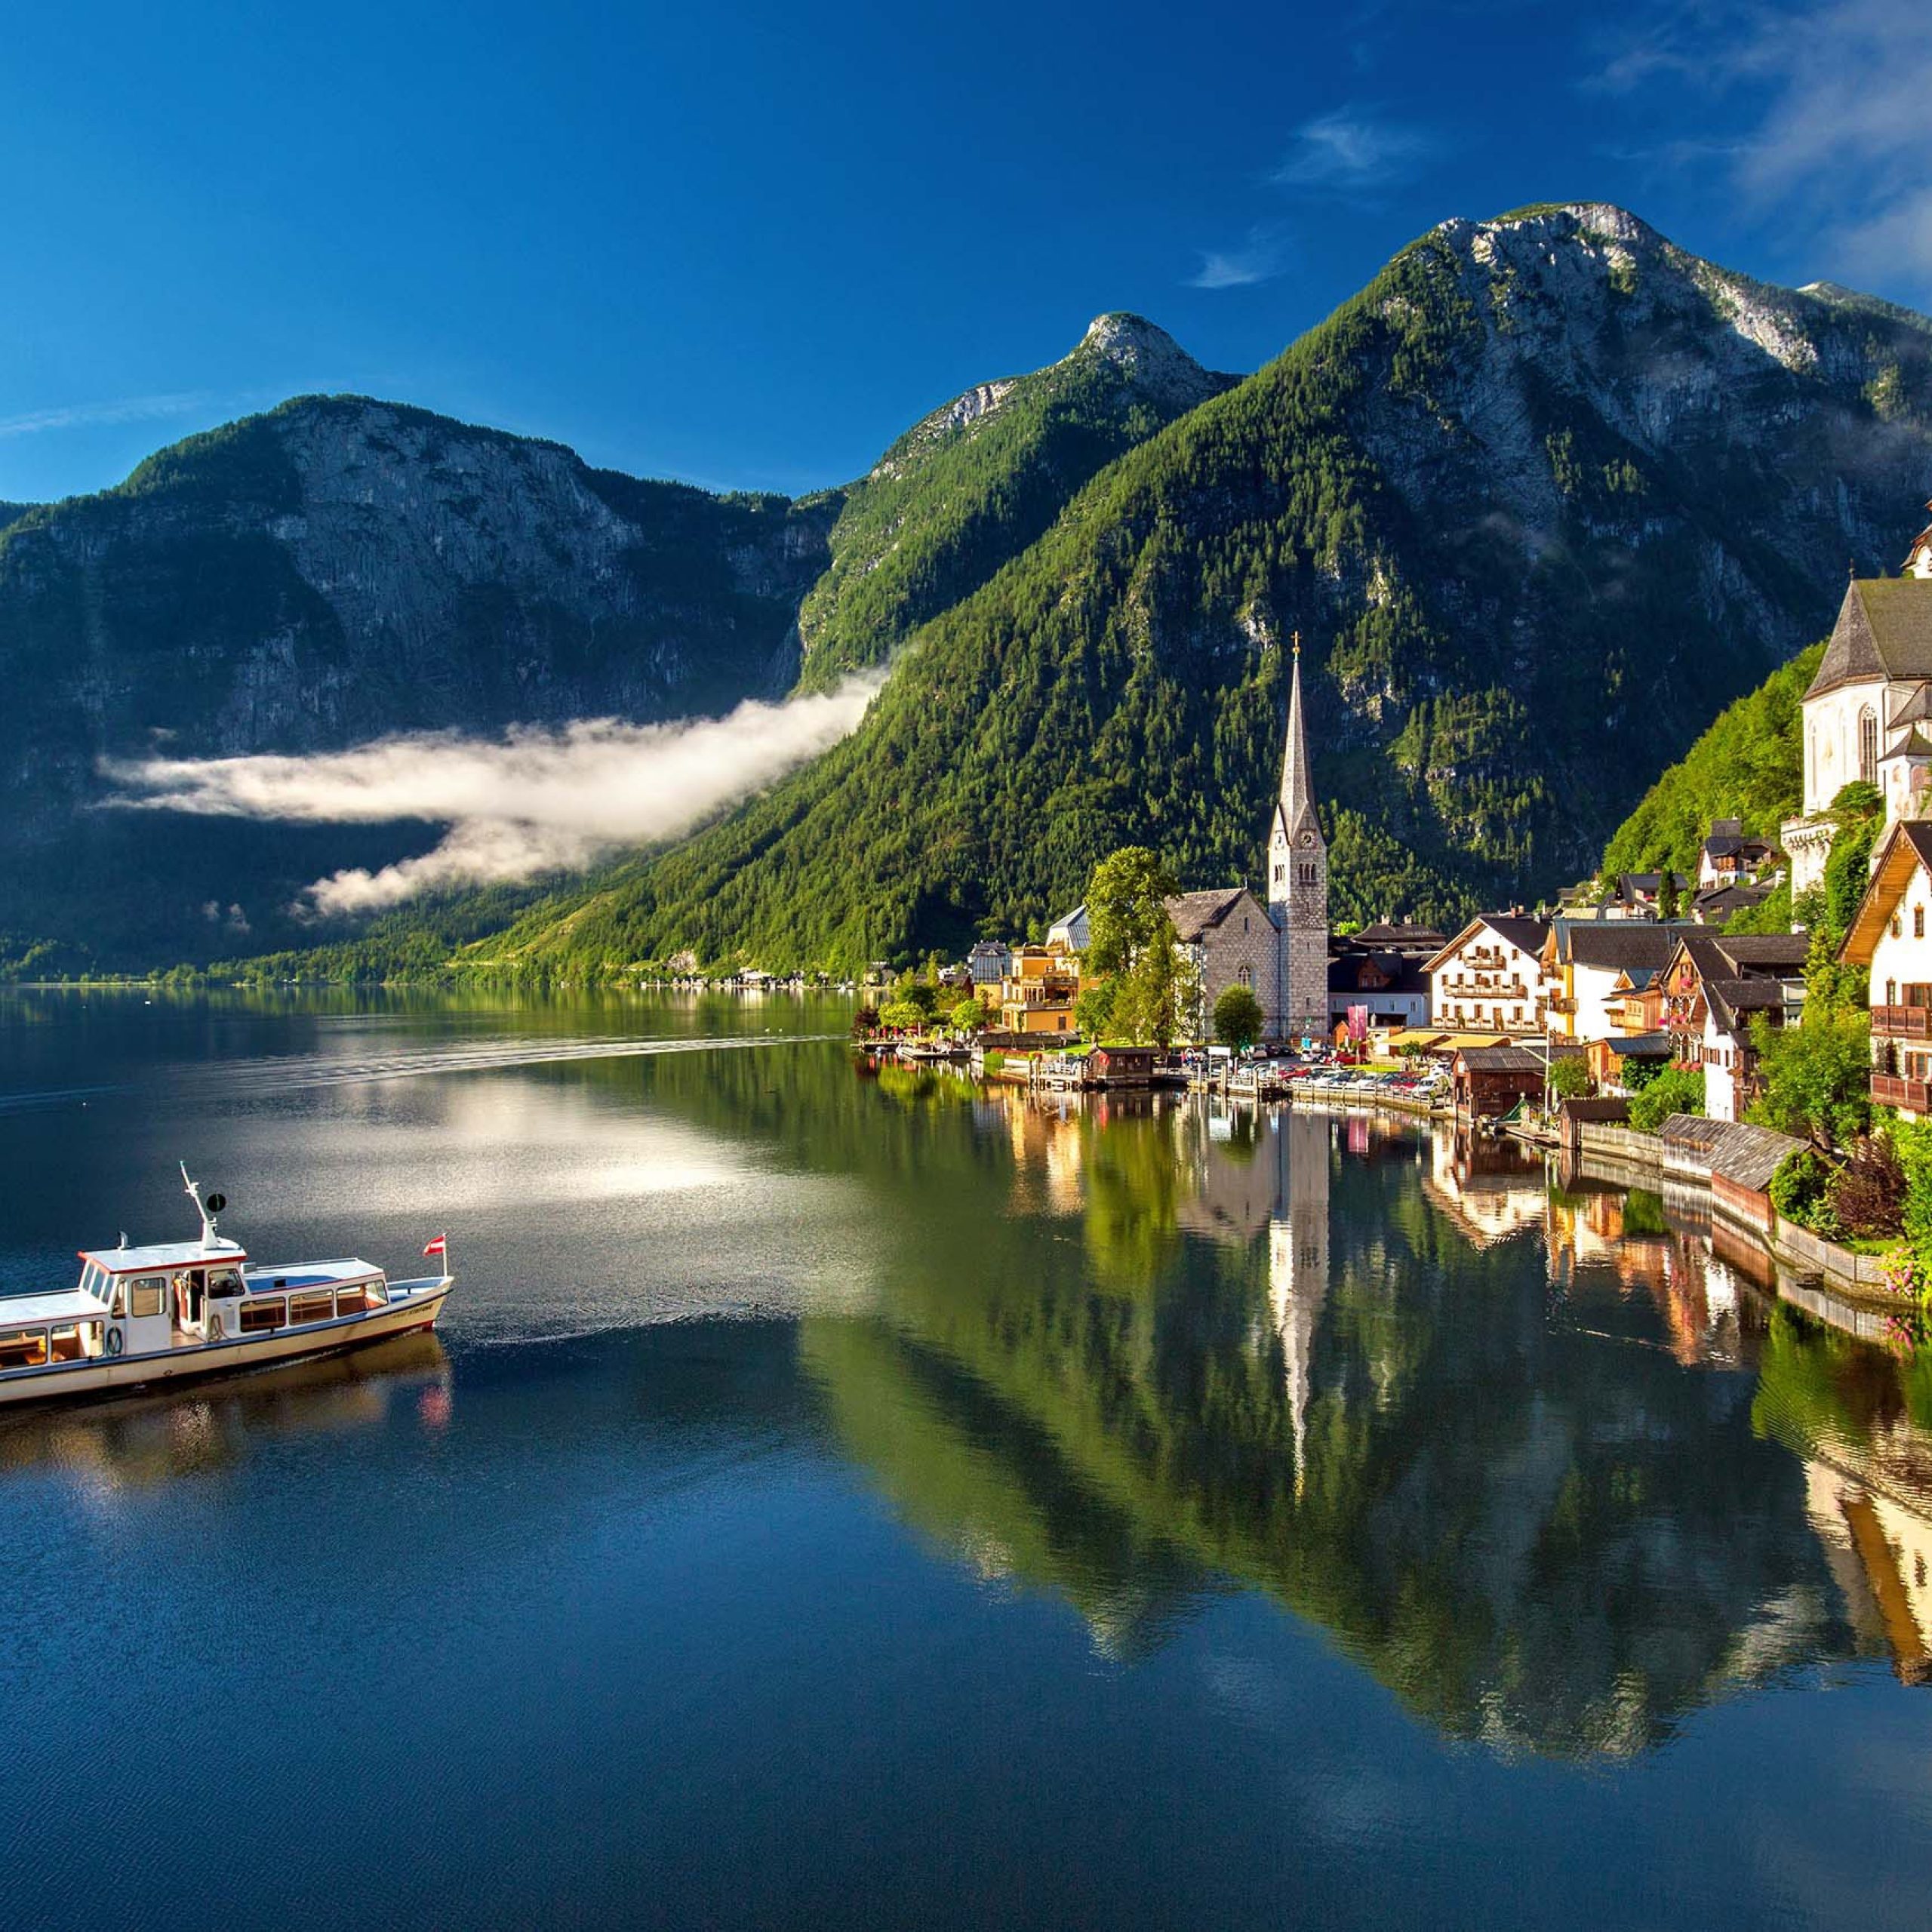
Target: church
[
  {"x": 1868, "y": 712},
  {"x": 1279, "y": 951}
]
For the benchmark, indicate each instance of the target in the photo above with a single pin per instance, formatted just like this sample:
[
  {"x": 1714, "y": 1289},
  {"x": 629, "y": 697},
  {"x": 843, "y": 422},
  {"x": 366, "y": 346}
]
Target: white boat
[{"x": 146, "y": 1314}]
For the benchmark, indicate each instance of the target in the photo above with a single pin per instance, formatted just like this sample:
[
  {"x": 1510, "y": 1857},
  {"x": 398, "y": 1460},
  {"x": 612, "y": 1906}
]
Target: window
[
  {"x": 355, "y": 1300},
  {"x": 1868, "y": 745},
  {"x": 147, "y": 1294},
  {"x": 1898, "y": 926},
  {"x": 312, "y": 1307},
  {"x": 23, "y": 1348},
  {"x": 224, "y": 1280},
  {"x": 1918, "y": 922},
  {"x": 257, "y": 1315},
  {"x": 74, "y": 1341}
]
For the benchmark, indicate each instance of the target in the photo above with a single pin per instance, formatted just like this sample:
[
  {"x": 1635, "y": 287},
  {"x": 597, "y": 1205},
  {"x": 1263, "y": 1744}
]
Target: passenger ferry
[{"x": 146, "y": 1314}]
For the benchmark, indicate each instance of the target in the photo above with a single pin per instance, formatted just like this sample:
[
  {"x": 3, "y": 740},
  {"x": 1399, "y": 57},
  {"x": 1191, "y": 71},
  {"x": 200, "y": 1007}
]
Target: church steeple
[
  {"x": 1294, "y": 812},
  {"x": 1298, "y": 883}
]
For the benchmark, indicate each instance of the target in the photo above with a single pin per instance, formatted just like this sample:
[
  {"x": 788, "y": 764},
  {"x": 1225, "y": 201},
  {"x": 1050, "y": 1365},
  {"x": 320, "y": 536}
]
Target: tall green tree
[
  {"x": 1817, "y": 1075},
  {"x": 1127, "y": 907}
]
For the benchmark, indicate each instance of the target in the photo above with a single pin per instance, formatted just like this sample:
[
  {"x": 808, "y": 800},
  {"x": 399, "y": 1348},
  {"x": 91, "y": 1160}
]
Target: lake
[{"x": 841, "y": 1500}]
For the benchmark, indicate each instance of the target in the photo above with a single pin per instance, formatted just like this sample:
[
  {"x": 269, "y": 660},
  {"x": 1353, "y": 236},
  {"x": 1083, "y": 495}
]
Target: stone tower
[{"x": 1298, "y": 887}]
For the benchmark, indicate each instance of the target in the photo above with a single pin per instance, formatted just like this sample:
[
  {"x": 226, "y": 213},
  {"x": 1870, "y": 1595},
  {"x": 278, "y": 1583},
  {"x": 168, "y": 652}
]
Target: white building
[
  {"x": 1590, "y": 966},
  {"x": 1890, "y": 936},
  {"x": 1867, "y": 713},
  {"x": 1489, "y": 978},
  {"x": 1072, "y": 933}
]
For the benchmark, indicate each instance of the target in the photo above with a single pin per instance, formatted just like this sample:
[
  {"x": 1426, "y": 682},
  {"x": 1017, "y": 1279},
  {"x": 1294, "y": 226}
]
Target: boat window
[
  {"x": 224, "y": 1280},
  {"x": 353, "y": 1299},
  {"x": 22, "y": 1348},
  {"x": 147, "y": 1294},
  {"x": 311, "y": 1308},
  {"x": 378, "y": 1293},
  {"x": 117, "y": 1301},
  {"x": 257, "y": 1314},
  {"x": 73, "y": 1341}
]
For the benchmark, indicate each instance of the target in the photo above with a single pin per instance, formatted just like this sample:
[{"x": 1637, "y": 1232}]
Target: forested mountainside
[
  {"x": 966, "y": 489},
  {"x": 332, "y": 572},
  {"x": 1543, "y": 499},
  {"x": 1748, "y": 764}
]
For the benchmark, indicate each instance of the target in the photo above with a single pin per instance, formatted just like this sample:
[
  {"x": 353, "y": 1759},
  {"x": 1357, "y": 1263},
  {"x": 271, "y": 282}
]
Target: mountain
[
  {"x": 330, "y": 572},
  {"x": 972, "y": 485},
  {"x": 1748, "y": 764},
  {"x": 1541, "y": 500}
]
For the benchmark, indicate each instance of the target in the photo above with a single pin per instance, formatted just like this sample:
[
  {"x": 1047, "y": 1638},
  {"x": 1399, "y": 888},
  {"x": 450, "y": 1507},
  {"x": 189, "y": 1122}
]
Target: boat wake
[{"x": 270, "y": 1079}]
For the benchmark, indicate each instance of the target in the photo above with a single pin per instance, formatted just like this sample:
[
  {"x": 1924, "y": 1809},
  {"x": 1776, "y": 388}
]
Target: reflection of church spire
[{"x": 1298, "y": 1260}]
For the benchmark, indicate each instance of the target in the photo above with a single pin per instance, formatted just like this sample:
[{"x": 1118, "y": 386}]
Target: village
[{"x": 1650, "y": 1015}]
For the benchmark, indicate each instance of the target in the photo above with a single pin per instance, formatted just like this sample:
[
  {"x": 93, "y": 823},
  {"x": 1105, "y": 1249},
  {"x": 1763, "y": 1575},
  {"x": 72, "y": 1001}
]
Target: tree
[
  {"x": 1094, "y": 1010},
  {"x": 902, "y": 1016},
  {"x": 1667, "y": 905},
  {"x": 1237, "y": 1017},
  {"x": 969, "y": 1016},
  {"x": 1156, "y": 992},
  {"x": 1678, "y": 1090},
  {"x": 1570, "y": 1077},
  {"x": 1127, "y": 908},
  {"x": 1817, "y": 1075}
]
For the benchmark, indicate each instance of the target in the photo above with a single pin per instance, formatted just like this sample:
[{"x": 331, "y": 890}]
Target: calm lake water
[{"x": 841, "y": 1501}]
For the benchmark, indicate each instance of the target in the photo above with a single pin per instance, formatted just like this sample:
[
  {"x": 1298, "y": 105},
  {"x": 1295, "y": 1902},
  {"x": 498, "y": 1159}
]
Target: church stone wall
[{"x": 1241, "y": 951}]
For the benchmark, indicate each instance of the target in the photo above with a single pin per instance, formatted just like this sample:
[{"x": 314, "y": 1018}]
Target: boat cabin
[{"x": 138, "y": 1301}]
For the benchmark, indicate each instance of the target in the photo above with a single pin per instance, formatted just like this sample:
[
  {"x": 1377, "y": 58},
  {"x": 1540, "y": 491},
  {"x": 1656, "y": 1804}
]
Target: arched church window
[{"x": 1868, "y": 746}]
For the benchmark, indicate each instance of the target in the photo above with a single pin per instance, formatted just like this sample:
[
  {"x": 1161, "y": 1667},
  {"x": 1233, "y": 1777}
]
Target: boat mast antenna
[{"x": 206, "y": 1209}]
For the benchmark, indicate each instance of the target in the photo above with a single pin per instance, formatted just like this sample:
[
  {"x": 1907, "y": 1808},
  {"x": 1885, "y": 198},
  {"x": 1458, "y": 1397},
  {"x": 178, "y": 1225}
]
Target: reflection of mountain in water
[{"x": 1283, "y": 1364}]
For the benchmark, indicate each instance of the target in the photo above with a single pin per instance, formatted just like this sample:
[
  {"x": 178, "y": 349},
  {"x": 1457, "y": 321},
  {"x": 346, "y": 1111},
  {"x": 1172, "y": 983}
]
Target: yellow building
[{"x": 1037, "y": 995}]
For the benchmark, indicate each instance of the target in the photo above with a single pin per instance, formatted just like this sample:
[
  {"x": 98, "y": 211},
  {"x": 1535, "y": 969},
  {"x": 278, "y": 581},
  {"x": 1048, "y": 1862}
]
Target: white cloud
[
  {"x": 86, "y": 415},
  {"x": 1834, "y": 101},
  {"x": 539, "y": 800},
  {"x": 1352, "y": 148},
  {"x": 1261, "y": 258}
]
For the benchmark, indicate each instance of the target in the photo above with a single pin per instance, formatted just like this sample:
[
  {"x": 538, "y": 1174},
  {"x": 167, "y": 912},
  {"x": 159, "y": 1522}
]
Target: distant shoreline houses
[{"x": 1634, "y": 969}]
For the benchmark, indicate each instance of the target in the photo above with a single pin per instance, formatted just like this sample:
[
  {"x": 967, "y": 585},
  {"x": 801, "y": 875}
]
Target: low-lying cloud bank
[{"x": 540, "y": 799}]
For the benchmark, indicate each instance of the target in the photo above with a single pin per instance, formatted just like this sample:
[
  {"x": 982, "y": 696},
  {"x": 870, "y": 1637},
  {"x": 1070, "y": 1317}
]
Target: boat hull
[{"x": 104, "y": 1375}]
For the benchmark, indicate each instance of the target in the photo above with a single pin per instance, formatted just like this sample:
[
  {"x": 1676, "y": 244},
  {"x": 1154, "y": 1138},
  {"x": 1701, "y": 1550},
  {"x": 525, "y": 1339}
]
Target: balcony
[
  {"x": 1903, "y": 1023},
  {"x": 1914, "y": 1096},
  {"x": 1562, "y": 1003}
]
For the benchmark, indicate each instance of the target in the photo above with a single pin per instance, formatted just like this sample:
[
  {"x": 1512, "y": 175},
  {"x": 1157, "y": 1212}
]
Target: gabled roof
[
  {"x": 1907, "y": 848},
  {"x": 1732, "y": 1001},
  {"x": 1398, "y": 933},
  {"x": 1728, "y": 845},
  {"x": 1512, "y": 1060},
  {"x": 1401, "y": 973},
  {"x": 1194, "y": 913},
  {"x": 1767, "y": 956},
  {"x": 1615, "y": 944},
  {"x": 1883, "y": 630},
  {"x": 1526, "y": 934},
  {"x": 1641, "y": 1046}
]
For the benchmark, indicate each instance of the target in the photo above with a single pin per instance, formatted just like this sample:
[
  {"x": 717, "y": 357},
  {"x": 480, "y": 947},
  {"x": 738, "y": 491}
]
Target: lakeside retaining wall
[{"x": 1800, "y": 1256}]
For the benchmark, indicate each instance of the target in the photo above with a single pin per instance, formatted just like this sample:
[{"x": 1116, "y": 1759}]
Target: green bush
[
  {"x": 1802, "y": 1192},
  {"x": 1678, "y": 1090},
  {"x": 1237, "y": 1018}
]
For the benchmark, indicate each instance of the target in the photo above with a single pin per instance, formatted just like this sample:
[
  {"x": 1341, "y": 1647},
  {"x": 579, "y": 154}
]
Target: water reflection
[
  {"x": 1357, "y": 1382},
  {"x": 156, "y": 1438}
]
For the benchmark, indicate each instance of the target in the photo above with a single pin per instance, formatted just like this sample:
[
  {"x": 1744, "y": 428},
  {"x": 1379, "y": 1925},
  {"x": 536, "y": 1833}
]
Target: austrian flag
[{"x": 441, "y": 1245}]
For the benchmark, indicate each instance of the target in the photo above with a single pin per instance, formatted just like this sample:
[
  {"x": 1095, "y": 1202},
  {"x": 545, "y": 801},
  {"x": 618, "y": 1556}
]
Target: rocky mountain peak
[{"x": 1149, "y": 357}]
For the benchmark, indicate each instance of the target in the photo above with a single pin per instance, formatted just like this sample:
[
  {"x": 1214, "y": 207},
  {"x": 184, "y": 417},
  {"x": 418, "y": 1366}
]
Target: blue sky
[{"x": 748, "y": 244}]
